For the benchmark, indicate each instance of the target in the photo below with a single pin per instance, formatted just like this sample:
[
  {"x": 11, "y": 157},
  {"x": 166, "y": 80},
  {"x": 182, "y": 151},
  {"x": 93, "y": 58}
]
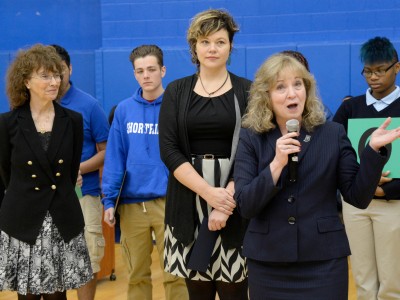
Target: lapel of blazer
[
  {"x": 305, "y": 139},
  {"x": 31, "y": 135},
  {"x": 272, "y": 137},
  {"x": 57, "y": 135}
]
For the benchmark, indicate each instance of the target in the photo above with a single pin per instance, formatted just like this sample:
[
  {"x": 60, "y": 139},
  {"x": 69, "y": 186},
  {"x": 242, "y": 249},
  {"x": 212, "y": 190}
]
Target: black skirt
[{"x": 318, "y": 280}]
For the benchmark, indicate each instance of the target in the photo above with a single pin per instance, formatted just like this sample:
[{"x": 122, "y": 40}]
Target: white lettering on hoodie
[{"x": 141, "y": 128}]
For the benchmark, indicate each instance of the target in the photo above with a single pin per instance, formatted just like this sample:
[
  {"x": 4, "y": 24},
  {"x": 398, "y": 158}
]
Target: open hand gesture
[{"x": 382, "y": 136}]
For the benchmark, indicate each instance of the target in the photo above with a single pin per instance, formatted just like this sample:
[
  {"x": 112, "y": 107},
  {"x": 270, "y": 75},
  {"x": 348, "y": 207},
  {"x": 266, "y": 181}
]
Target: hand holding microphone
[
  {"x": 293, "y": 160},
  {"x": 287, "y": 147}
]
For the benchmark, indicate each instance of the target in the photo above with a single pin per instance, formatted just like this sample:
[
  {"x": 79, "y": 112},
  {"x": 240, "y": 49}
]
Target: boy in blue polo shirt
[{"x": 96, "y": 128}]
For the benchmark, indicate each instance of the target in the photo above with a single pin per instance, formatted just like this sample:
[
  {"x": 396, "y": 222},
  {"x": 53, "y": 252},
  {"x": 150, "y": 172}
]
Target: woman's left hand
[
  {"x": 382, "y": 136},
  {"x": 217, "y": 220}
]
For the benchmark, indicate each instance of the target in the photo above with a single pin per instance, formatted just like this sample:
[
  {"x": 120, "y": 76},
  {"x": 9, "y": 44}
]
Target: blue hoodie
[{"x": 133, "y": 147}]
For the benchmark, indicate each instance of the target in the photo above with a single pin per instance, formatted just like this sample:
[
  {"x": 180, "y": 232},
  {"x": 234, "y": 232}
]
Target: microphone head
[{"x": 292, "y": 125}]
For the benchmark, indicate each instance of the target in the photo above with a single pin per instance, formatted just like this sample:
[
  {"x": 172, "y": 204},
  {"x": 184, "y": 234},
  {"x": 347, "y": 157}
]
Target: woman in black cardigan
[
  {"x": 42, "y": 247},
  {"x": 199, "y": 123}
]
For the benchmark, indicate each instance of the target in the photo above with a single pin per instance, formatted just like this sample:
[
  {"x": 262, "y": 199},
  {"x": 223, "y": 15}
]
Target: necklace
[{"x": 212, "y": 93}]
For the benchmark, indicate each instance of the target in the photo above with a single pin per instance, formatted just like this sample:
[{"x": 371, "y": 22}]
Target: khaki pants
[
  {"x": 92, "y": 210},
  {"x": 137, "y": 222},
  {"x": 374, "y": 236}
]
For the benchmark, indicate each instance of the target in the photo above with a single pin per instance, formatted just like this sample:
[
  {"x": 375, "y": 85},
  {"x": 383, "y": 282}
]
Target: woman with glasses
[
  {"x": 42, "y": 248},
  {"x": 374, "y": 233}
]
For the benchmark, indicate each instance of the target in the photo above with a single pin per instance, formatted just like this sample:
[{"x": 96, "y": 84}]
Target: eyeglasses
[
  {"x": 379, "y": 73},
  {"x": 48, "y": 78}
]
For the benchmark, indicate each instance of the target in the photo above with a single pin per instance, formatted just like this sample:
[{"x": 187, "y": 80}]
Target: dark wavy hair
[{"x": 377, "y": 50}]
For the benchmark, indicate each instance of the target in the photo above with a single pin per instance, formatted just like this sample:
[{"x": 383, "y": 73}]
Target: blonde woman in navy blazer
[
  {"x": 42, "y": 247},
  {"x": 295, "y": 244}
]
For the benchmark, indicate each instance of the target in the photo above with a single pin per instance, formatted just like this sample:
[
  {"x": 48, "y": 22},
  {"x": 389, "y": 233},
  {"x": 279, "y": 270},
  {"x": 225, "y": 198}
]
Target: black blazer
[
  {"x": 2, "y": 190},
  {"x": 37, "y": 181},
  {"x": 299, "y": 221}
]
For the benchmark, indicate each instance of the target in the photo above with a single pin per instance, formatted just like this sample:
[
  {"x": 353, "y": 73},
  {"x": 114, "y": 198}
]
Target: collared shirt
[{"x": 384, "y": 102}]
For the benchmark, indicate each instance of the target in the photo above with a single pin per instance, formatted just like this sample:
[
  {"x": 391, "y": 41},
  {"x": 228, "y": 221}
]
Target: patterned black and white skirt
[
  {"x": 227, "y": 265},
  {"x": 49, "y": 266}
]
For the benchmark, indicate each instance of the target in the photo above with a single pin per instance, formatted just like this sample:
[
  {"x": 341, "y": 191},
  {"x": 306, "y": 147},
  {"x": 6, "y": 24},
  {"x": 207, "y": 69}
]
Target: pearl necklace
[{"x": 212, "y": 93}]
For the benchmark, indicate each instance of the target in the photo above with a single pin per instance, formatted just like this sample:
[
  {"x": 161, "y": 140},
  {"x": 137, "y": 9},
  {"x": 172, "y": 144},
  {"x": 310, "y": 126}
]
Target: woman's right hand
[
  {"x": 285, "y": 145},
  {"x": 220, "y": 198},
  {"x": 109, "y": 217}
]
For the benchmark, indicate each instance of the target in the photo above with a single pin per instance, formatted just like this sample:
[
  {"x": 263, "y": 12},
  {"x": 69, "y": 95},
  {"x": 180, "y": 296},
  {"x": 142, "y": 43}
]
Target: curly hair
[
  {"x": 260, "y": 116},
  {"x": 25, "y": 63},
  {"x": 208, "y": 22}
]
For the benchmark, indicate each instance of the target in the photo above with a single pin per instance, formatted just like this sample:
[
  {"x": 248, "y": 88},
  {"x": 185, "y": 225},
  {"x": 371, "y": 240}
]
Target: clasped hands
[{"x": 221, "y": 199}]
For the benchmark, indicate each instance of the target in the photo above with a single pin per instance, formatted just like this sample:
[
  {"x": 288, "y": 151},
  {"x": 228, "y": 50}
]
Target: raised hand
[{"x": 382, "y": 136}]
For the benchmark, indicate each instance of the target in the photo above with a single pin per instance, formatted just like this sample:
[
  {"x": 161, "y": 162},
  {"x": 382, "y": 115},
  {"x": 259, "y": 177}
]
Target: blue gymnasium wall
[
  {"x": 74, "y": 24},
  {"x": 101, "y": 33}
]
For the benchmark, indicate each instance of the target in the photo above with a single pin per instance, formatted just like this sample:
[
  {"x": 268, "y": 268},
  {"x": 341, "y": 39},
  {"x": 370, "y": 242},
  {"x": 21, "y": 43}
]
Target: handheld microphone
[{"x": 293, "y": 126}]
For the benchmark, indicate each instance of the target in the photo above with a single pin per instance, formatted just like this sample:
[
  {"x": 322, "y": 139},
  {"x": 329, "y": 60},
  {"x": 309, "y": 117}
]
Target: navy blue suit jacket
[{"x": 299, "y": 221}]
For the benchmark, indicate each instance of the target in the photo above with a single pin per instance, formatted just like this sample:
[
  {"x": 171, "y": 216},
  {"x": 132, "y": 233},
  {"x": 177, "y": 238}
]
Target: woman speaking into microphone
[{"x": 296, "y": 246}]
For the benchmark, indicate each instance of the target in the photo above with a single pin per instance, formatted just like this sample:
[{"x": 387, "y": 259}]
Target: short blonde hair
[
  {"x": 260, "y": 116},
  {"x": 25, "y": 63},
  {"x": 208, "y": 22}
]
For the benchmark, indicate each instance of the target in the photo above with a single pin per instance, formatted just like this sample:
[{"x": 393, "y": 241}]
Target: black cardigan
[
  {"x": 37, "y": 181},
  {"x": 180, "y": 208}
]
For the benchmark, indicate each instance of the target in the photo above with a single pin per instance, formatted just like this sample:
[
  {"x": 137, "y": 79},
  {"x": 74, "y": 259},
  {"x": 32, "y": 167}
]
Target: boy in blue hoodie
[{"x": 134, "y": 172}]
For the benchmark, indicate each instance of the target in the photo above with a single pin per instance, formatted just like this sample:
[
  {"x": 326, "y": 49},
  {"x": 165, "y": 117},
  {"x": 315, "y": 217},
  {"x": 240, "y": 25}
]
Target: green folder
[{"x": 359, "y": 132}]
